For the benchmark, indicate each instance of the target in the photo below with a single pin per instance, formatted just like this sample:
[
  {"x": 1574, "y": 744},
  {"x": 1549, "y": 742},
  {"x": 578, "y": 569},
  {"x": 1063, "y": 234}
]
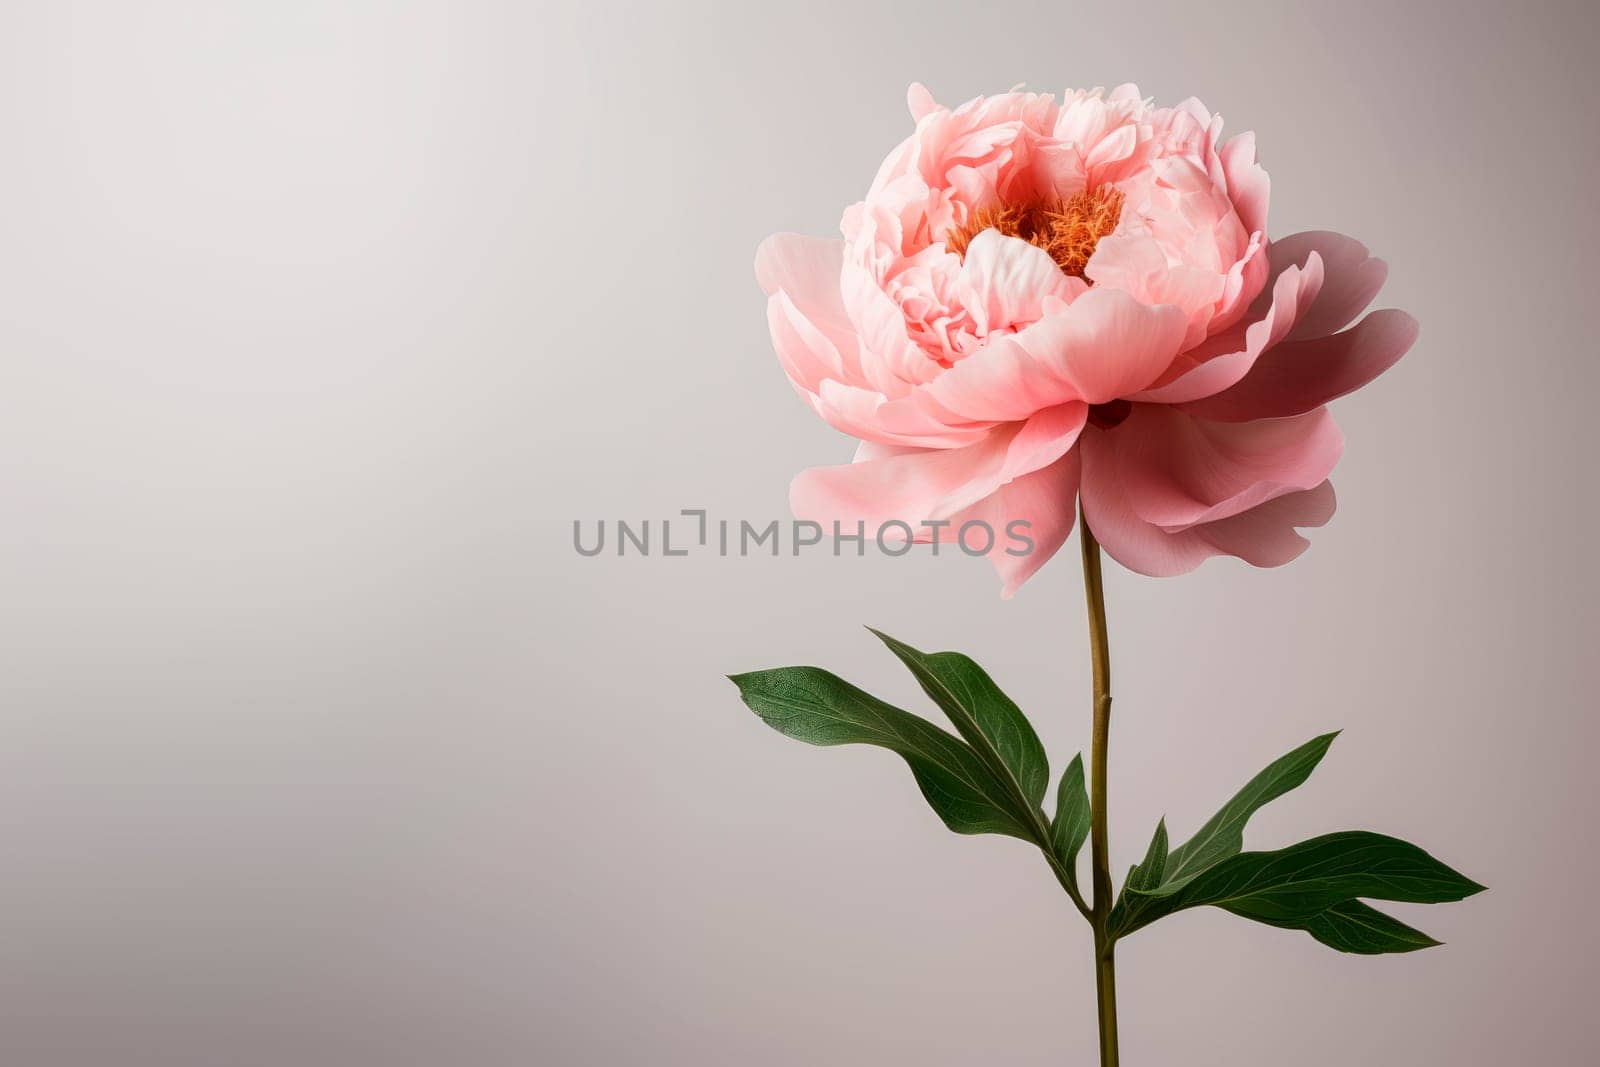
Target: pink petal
[
  {"x": 1045, "y": 500},
  {"x": 807, "y": 355},
  {"x": 911, "y": 486},
  {"x": 906, "y": 488},
  {"x": 1106, "y": 344},
  {"x": 1351, "y": 279},
  {"x": 891, "y": 362},
  {"x": 1136, "y": 544},
  {"x": 920, "y": 102},
  {"x": 1135, "y": 263},
  {"x": 1005, "y": 282},
  {"x": 1264, "y": 536},
  {"x": 806, "y": 271},
  {"x": 1044, "y": 437},
  {"x": 1245, "y": 281},
  {"x": 1176, "y": 471},
  {"x": 1248, "y": 185},
  {"x": 1301, "y": 375},
  {"x": 868, "y": 415},
  {"x": 1101, "y": 164},
  {"x": 1226, "y": 358},
  {"x": 1000, "y": 382}
]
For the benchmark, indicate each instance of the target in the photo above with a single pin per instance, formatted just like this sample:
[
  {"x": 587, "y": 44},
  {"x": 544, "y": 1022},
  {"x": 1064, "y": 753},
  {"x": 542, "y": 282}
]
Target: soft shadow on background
[{"x": 321, "y": 746}]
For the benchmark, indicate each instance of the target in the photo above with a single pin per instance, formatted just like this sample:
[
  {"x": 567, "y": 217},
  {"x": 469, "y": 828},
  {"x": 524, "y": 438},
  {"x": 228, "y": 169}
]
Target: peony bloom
[{"x": 1041, "y": 301}]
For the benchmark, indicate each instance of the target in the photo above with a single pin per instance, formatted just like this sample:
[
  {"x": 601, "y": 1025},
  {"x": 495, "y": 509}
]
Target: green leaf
[
  {"x": 1223, "y": 834},
  {"x": 1295, "y": 884},
  {"x": 1357, "y": 927},
  {"x": 812, "y": 705},
  {"x": 1147, "y": 874},
  {"x": 988, "y": 719},
  {"x": 1071, "y": 826}
]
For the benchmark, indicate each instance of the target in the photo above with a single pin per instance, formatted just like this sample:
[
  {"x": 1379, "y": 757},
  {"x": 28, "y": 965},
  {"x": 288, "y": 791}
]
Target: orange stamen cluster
[{"x": 1067, "y": 229}]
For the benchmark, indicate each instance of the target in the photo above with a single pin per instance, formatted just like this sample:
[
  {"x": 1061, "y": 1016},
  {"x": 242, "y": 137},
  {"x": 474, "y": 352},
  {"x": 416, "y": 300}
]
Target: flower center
[{"x": 1067, "y": 230}]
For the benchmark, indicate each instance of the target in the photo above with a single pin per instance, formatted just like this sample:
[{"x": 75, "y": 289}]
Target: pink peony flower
[{"x": 1040, "y": 301}]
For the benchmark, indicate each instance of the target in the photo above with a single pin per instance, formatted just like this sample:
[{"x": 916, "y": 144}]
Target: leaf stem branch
[{"x": 1063, "y": 874}]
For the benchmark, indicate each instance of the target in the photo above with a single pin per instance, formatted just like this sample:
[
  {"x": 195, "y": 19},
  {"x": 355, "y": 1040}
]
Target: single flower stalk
[{"x": 1044, "y": 306}]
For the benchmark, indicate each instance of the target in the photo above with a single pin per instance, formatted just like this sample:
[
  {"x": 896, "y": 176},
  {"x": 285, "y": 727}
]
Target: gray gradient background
[{"x": 320, "y": 746}]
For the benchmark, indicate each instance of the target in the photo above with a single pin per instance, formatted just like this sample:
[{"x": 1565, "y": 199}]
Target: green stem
[{"x": 1105, "y": 972}]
